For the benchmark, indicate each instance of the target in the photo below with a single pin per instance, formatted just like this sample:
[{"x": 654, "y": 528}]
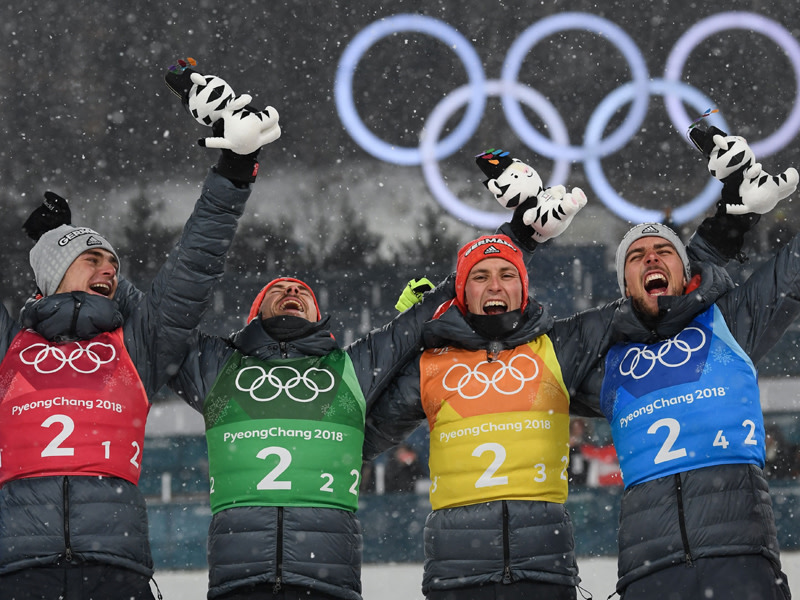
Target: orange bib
[
  {"x": 74, "y": 408},
  {"x": 500, "y": 428}
]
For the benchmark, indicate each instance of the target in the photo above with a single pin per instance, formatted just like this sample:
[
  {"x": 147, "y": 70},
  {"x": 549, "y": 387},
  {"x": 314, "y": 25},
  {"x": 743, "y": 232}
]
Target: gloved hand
[
  {"x": 747, "y": 191},
  {"x": 747, "y": 188},
  {"x": 239, "y": 129},
  {"x": 547, "y": 215},
  {"x": 52, "y": 213},
  {"x": 412, "y": 293}
]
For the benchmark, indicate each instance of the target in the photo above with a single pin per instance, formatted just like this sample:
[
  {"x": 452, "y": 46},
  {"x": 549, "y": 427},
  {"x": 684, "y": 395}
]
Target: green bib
[{"x": 285, "y": 432}]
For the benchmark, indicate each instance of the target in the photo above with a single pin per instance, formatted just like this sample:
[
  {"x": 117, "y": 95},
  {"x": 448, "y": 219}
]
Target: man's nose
[
  {"x": 652, "y": 256},
  {"x": 109, "y": 267}
]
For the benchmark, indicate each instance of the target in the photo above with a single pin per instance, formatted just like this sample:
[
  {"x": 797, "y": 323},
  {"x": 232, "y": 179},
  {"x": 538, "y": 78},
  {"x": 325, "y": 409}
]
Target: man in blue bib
[{"x": 685, "y": 413}]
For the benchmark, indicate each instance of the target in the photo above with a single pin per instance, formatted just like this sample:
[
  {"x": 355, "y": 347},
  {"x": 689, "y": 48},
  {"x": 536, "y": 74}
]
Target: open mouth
[
  {"x": 101, "y": 288},
  {"x": 495, "y": 307},
  {"x": 292, "y": 304},
  {"x": 655, "y": 284}
]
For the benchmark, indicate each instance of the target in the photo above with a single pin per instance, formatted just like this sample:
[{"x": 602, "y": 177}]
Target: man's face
[
  {"x": 653, "y": 268},
  {"x": 493, "y": 287},
  {"x": 289, "y": 298},
  {"x": 94, "y": 272}
]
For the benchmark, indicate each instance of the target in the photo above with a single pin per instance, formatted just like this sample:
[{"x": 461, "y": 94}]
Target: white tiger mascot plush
[
  {"x": 211, "y": 101},
  {"x": 539, "y": 214},
  {"x": 747, "y": 187}
]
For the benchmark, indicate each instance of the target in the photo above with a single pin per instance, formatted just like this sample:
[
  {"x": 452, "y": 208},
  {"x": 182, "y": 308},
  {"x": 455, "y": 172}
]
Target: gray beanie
[
  {"x": 57, "y": 249},
  {"x": 649, "y": 230}
]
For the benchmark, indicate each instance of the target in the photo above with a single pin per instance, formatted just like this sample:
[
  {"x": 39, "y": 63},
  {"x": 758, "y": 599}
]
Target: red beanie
[
  {"x": 256, "y": 307},
  {"x": 488, "y": 246}
]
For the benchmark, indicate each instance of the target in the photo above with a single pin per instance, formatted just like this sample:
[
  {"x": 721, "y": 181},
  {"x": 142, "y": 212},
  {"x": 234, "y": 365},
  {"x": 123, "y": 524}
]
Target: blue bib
[{"x": 688, "y": 402}]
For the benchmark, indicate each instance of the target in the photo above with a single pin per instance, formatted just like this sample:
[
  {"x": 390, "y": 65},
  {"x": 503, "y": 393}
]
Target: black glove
[
  {"x": 726, "y": 232},
  {"x": 52, "y": 213},
  {"x": 241, "y": 169}
]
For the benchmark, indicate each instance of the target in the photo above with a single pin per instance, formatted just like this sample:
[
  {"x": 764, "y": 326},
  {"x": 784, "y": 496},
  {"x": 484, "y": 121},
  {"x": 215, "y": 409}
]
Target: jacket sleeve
[
  {"x": 581, "y": 343},
  {"x": 395, "y": 413},
  {"x": 759, "y": 311},
  {"x": 528, "y": 246},
  {"x": 157, "y": 332},
  {"x": 720, "y": 237},
  {"x": 379, "y": 356},
  {"x": 205, "y": 357},
  {"x": 8, "y": 329}
]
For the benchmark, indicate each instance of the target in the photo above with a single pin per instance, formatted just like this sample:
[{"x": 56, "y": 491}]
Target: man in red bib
[{"x": 75, "y": 381}]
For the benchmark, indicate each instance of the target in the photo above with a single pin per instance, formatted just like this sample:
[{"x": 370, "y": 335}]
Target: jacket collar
[
  {"x": 260, "y": 338},
  {"x": 453, "y": 329}
]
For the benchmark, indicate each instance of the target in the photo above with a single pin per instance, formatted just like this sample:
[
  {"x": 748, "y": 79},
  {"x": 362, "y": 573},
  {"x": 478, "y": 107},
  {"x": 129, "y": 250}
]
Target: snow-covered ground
[{"x": 402, "y": 581}]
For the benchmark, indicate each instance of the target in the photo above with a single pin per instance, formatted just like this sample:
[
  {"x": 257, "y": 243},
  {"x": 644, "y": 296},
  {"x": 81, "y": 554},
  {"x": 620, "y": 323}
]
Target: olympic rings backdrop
[{"x": 556, "y": 145}]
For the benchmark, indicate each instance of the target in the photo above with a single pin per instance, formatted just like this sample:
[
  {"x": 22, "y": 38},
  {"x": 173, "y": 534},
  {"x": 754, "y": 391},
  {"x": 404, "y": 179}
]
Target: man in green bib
[{"x": 284, "y": 409}]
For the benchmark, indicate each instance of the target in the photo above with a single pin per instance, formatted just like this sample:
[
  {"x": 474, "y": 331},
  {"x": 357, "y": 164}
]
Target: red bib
[{"x": 74, "y": 408}]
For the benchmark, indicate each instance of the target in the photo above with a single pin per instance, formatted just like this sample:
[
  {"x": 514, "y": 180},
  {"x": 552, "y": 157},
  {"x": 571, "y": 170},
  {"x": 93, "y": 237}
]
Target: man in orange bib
[{"x": 497, "y": 400}]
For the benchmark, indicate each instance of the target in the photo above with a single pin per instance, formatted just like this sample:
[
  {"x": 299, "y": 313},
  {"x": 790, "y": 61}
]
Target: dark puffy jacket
[
  {"x": 721, "y": 510},
  {"x": 507, "y": 540},
  {"x": 47, "y": 519},
  {"x": 318, "y": 548}
]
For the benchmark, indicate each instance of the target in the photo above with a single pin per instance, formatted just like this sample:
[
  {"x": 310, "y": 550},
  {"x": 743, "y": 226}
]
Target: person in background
[
  {"x": 76, "y": 379},
  {"x": 404, "y": 469},
  {"x": 781, "y": 456}
]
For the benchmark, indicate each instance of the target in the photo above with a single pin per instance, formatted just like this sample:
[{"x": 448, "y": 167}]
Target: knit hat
[
  {"x": 256, "y": 307},
  {"x": 649, "y": 230},
  {"x": 57, "y": 249},
  {"x": 488, "y": 246}
]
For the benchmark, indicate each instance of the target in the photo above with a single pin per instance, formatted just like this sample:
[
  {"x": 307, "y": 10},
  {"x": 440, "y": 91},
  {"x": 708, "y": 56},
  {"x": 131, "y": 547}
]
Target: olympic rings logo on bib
[
  {"x": 637, "y": 92},
  {"x": 48, "y": 359},
  {"x": 630, "y": 364},
  {"x": 499, "y": 380},
  {"x": 300, "y": 387}
]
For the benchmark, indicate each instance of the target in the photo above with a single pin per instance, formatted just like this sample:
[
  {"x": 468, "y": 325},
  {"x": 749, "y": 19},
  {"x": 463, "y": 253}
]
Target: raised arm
[{"x": 158, "y": 329}]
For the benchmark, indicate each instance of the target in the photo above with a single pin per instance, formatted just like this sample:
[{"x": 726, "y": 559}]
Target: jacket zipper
[
  {"x": 682, "y": 521},
  {"x": 279, "y": 553},
  {"x": 284, "y": 347},
  {"x": 67, "y": 541},
  {"x": 506, "y": 548}
]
